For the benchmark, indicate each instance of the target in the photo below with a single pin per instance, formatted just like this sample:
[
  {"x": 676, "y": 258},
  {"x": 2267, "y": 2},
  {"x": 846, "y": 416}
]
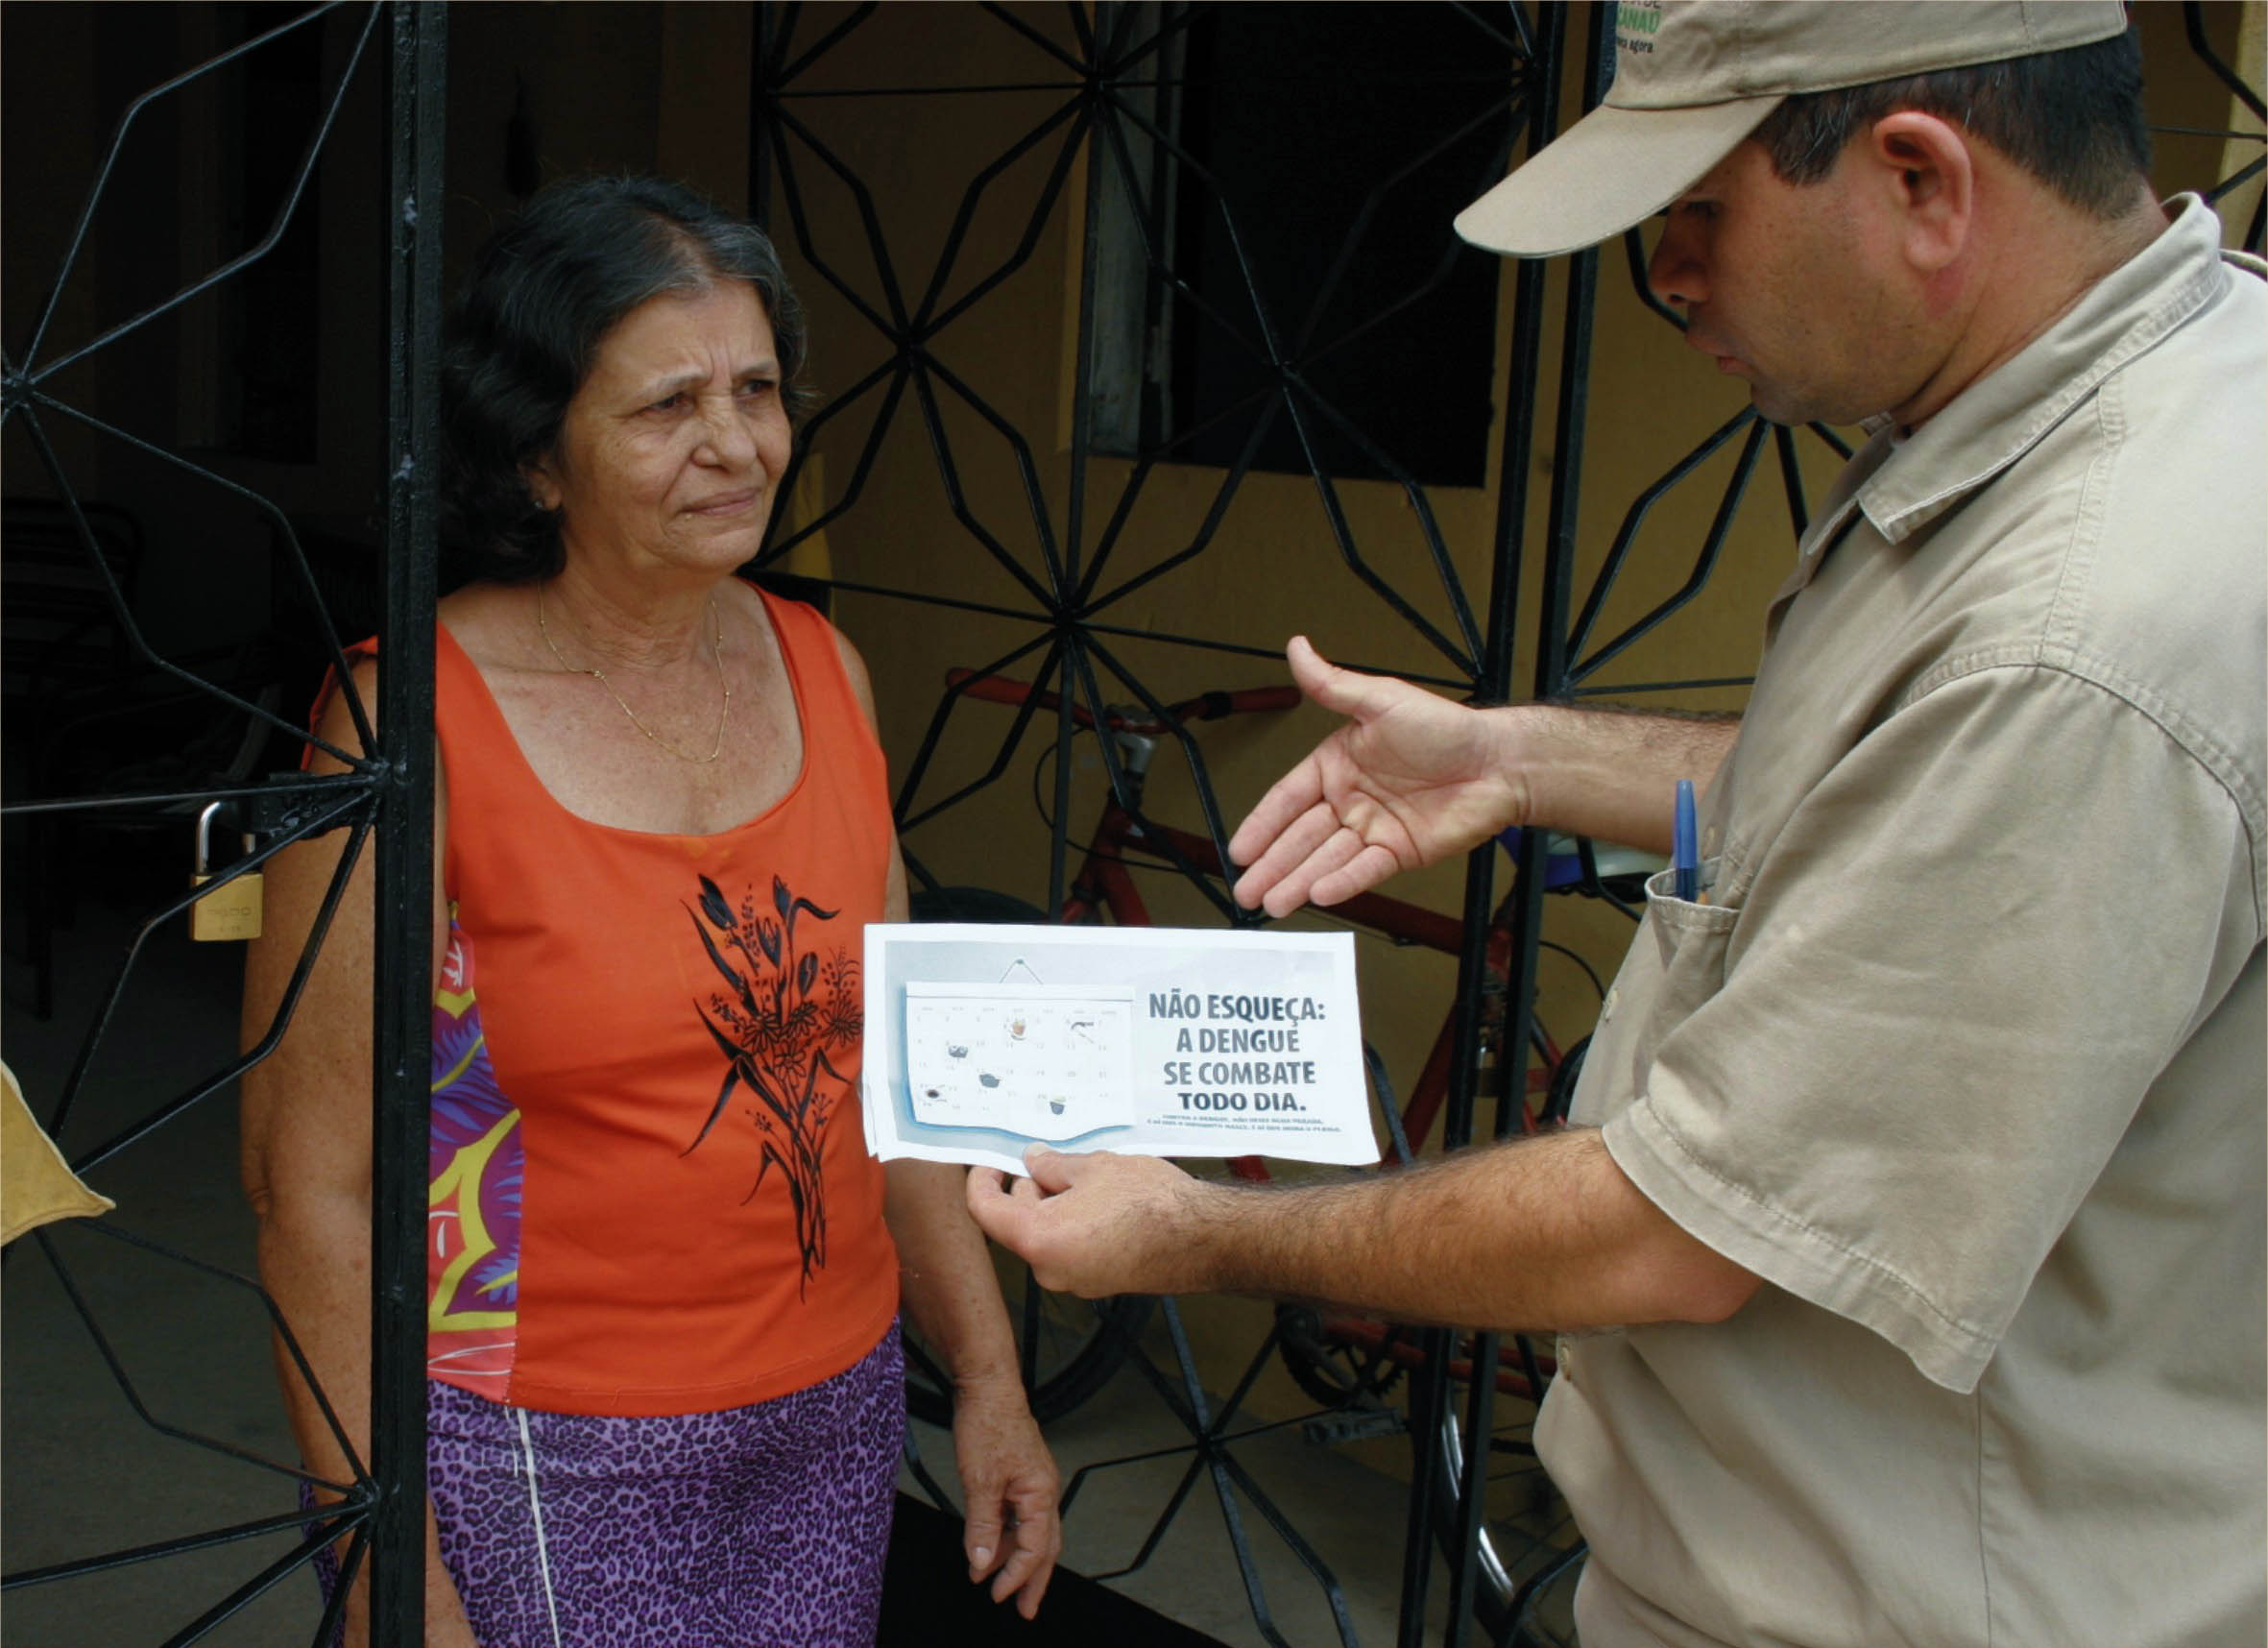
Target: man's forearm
[
  {"x": 1537, "y": 1234},
  {"x": 1610, "y": 773}
]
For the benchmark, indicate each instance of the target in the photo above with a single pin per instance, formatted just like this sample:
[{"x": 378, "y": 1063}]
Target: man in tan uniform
[{"x": 1908, "y": 1248}]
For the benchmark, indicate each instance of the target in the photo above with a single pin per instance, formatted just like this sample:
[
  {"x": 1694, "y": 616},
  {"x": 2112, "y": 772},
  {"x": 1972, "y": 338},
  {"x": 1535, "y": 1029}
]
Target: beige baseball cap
[{"x": 1692, "y": 78}]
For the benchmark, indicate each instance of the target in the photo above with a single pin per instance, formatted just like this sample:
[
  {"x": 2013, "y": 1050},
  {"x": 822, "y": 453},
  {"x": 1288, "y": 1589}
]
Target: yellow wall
[
  {"x": 1273, "y": 569},
  {"x": 616, "y": 87}
]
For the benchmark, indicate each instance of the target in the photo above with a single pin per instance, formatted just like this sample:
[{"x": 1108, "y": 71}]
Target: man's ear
[{"x": 1928, "y": 177}]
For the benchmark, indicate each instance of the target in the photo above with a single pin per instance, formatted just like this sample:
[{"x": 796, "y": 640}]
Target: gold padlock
[{"x": 230, "y": 911}]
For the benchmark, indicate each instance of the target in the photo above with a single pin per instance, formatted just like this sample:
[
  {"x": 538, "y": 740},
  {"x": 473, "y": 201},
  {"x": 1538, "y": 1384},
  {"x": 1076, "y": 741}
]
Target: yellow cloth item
[{"x": 36, "y": 1185}]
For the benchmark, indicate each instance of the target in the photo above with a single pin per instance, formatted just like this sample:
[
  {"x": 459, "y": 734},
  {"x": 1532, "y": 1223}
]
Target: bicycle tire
[
  {"x": 1508, "y": 1558},
  {"x": 1559, "y": 1097},
  {"x": 1083, "y": 1341},
  {"x": 1329, "y": 1374}
]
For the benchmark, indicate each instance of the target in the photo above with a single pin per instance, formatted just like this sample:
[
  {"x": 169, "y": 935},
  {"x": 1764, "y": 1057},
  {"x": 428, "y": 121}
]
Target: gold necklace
[{"x": 716, "y": 651}]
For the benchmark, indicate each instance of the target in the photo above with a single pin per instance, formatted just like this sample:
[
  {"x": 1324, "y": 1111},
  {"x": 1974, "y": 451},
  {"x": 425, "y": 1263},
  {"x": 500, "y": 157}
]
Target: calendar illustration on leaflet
[{"x": 1048, "y": 1061}]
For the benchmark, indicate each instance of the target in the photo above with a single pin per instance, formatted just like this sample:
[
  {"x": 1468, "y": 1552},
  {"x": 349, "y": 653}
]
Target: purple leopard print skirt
[{"x": 765, "y": 1524}]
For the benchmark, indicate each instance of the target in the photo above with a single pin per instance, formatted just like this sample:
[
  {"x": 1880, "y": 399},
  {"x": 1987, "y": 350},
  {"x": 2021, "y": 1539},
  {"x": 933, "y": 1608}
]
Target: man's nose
[{"x": 1675, "y": 273}]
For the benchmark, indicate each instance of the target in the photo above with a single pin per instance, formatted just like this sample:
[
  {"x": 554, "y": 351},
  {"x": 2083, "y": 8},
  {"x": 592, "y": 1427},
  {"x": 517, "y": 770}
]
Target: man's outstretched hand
[
  {"x": 1410, "y": 779},
  {"x": 1099, "y": 1224}
]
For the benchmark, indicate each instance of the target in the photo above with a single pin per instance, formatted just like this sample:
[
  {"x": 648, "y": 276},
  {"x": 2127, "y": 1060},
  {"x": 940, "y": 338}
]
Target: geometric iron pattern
[
  {"x": 383, "y": 801},
  {"x": 1068, "y": 570},
  {"x": 1061, "y": 572}
]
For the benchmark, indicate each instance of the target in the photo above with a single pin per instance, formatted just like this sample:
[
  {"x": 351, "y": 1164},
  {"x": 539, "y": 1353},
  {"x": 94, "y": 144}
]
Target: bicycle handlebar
[{"x": 1205, "y": 707}]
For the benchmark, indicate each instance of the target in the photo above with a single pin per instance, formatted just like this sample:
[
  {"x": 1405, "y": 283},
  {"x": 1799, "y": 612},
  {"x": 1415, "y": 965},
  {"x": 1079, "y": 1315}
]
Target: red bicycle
[{"x": 1343, "y": 1362}]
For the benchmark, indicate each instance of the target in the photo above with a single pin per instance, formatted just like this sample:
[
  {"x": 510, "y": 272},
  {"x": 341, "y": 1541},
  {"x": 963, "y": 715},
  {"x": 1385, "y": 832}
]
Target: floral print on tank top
[
  {"x": 784, "y": 1008},
  {"x": 475, "y": 1166}
]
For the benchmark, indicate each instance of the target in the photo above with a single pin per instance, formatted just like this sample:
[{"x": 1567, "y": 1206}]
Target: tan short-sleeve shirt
[{"x": 1963, "y": 1055}]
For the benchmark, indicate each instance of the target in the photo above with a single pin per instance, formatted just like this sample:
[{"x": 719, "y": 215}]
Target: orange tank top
[{"x": 651, "y": 1192}]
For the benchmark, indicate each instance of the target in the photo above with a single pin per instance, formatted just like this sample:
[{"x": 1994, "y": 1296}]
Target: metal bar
[
  {"x": 1617, "y": 552},
  {"x": 1171, "y": 1509},
  {"x": 2193, "y": 23},
  {"x": 1334, "y": 1593},
  {"x": 250, "y": 1591},
  {"x": 1621, "y": 689},
  {"x": 1019, "y": 26},
  {"x": 102, "y": 177},
  {"x": 244, "y": 259},
  {"x": 1552, "y": 645},
  {"x": 1083, "y": 381},
  {"x": 207, "y": 1539},
  {"x": 96, "y": 1032},
  {"x": 1255, "y": 1593},
  {"x": 1466, "y": 652},
  {"x": 117, "y": 1367},
  {"x": 763, "y": 87},
  {"x": 901, "y": 810},
  {"x": 1433, "y": 1408},
  {"x": 401, "y": 1040},
  {"x": 152, "y": 801},
  {"x": 1704, "y": 564},
  {"x": 1066, "y": 724},
  {"x": 957, "y": 498},
  {"x": 929, "y": 319},
  {"x": 2235, "y": 180},
  {"x": 825, "y": 42},
  {"x": 1783, "y": 441},
  {"x": 276, "y": 1321},
  {"x": 127, "y": 623},
  {"x": 276, "y": 518}
]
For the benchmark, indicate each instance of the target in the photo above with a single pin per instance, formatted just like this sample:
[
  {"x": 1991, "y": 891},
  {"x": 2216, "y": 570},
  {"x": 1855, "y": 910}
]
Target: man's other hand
[{"x": 1410, "y": 779}]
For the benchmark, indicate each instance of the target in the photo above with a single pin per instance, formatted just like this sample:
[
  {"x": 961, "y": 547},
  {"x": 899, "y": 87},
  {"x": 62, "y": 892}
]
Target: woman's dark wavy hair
[{"x": 542, "y": 292}]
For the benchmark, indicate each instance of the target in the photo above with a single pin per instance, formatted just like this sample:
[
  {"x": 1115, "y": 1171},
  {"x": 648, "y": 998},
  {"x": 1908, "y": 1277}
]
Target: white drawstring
[{"x": 536, "y": 1512}]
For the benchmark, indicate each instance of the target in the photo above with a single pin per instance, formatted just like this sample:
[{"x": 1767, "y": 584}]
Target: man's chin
[{"x": 1775, "y": 408}]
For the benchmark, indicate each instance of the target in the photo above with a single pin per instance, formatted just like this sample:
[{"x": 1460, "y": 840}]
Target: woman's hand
[
  {"x": 1013, "y": 1532},
  {"x": 1410, "y": 779},
  {"x": 949, "y": 1290}
]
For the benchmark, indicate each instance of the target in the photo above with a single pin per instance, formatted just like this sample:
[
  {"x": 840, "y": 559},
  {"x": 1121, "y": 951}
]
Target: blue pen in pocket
[{"x": 1686, "y": 847}]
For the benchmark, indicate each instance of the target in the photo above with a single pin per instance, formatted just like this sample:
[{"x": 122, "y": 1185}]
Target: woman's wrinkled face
[{"x": 671, "y": 449}]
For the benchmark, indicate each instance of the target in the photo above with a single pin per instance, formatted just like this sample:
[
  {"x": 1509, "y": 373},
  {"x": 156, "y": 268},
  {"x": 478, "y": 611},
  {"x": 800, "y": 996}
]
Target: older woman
[{"x": 664, "y": 1379}]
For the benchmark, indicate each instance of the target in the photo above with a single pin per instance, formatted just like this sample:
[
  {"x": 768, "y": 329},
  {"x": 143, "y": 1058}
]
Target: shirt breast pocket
[{"x": 1686, "y": 941}]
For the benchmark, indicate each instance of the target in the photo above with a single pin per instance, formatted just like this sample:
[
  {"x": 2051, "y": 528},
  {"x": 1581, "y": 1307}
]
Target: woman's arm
[
  {"x": 1012, "y": 1530},
  {"x": 306, "y": 1149}
]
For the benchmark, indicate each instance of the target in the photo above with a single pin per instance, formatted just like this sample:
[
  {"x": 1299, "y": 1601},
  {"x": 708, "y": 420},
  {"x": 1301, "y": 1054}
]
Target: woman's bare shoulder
[{"x": 490, "y": 622}]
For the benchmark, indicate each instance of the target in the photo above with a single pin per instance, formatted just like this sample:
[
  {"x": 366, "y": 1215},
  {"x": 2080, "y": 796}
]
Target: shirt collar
[{"x": 1997, "y": 420}]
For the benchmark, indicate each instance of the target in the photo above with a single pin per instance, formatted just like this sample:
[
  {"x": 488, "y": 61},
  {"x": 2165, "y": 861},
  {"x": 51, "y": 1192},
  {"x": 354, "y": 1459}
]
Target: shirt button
[
  {"x": 1613, "y": 995},
  {"x": 1710, "y": 839}
]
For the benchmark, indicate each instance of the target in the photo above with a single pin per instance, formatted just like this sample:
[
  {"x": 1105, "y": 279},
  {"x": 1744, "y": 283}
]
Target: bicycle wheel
[
  {"x": 1529, "y": 1551},
  {"x": 1069, "y": 1347}
]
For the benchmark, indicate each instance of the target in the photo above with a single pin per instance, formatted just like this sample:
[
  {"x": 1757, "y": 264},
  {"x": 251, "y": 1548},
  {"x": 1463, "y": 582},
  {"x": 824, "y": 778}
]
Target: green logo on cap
[{"x": 1635, "y": 26}]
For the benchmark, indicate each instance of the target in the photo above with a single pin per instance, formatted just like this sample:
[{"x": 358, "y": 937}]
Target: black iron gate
[
  {"x": 1109, "y": 79},
  {"x": 90, "y": 694}
]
